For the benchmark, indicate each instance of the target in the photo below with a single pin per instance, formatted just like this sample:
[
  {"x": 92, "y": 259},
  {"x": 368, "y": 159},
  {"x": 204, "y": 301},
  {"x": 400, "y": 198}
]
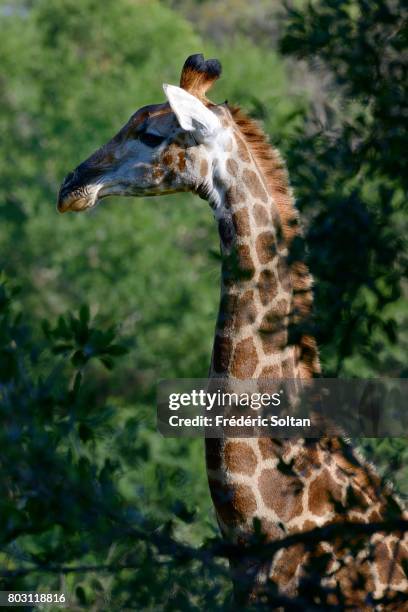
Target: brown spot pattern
[
  {"x": 270, "y": 530},
  {"x": 271, "y": 372},
  {"x": 281, "y": 493},
  {"x": 245, "y": 359},
  {"x": 375, "y": 515},
  {"x": 308, "y": 351},
  {"x": 288, "y": 369},
  {"x": 265, "y": 247},
  {"x": 243, "y": 150},
  {"x": 273, "y": 332},
  {"x": 240, "y": 220},
  {"x": 271, "y": 322},
  {"x": 283, "y": 274},
  {"x": 232, "y": 167},
  {"x": 167, "y": 158},
  {"x": 267, "y": 286},
  {"x": 383, "y": 560},
  {"x": 244, "y": 260},
  {"x": 157, "y": 173},
  {"x": 287, "y": 564},
  {"x": 239, "y": 457},
  {"x": 267, "y": 447},
  {"x": 246, "y": 311},
  {"x": 203, "y": 168},
  {"x": 234, "y": 196},
  {"x": 181, "y": 163},
  {"x": 321, "y": 492},
  {"x": 274, "y": 343},
  {"x": 308, "y": 525},
  {"x": 282, "y": 307},
  {"x": 302, "y": 280},
  {"x": 309, "y": 461},
  {"x": 261, "y": 215},
  {"x": 233, "y": 503},
  {"x": 244, "y": 500},
  {"x": 254, "y": 185}
]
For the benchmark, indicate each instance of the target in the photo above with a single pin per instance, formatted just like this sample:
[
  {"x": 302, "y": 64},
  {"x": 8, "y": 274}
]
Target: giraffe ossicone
[{"x": 263, "y": 331}]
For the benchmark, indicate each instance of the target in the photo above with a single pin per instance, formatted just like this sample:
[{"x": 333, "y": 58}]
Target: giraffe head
[{"x": 163, "y": 148}]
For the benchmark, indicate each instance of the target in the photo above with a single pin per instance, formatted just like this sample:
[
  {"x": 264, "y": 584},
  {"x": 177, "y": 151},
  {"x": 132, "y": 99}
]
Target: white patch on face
[{"x": 221, "y": 179}]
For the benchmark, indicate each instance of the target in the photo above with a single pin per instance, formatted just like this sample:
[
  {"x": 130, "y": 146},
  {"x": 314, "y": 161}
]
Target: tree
[{"x": 350, "y": 176}]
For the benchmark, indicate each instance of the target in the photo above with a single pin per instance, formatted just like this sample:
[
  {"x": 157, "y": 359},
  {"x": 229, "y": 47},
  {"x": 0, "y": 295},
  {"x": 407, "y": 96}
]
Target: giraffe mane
[
  {"x": 276, "y": 176},
  {"x": 274, "y": 171}
]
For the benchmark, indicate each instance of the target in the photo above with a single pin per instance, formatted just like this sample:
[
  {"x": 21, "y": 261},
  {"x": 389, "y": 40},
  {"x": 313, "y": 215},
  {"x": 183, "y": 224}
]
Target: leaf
[
  {"x": 108, "y": 362},
  {"x": 85, "y": 432},
  {"x": 80, "y": 593},
  {"x": 79, "y": 359},
  {"x": 181, "y": 511},
  {"x": 77, "y": 384},
  {"x": 46, "y": 328},
  {"x": 62, "y": 348},
  {"x": 116, "y": 349},
  {"x": 84, "y": 314},
  {"x": 62, "y": 330}
]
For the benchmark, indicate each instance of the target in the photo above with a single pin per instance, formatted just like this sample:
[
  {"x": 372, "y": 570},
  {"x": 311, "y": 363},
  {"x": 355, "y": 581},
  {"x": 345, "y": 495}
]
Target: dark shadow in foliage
[
  {"x": 61, "y": 507},
  {"x": 350, "y": 172}
]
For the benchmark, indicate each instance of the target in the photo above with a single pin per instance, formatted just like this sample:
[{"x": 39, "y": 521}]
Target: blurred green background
[{"x": 85, "y": 478}]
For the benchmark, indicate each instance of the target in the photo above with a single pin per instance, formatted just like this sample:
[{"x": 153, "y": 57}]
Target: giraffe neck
[{"x": 251, "y": 339}]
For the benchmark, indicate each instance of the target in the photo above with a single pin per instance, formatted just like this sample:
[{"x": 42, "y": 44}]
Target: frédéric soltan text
[{"x": 241, "y": 421}]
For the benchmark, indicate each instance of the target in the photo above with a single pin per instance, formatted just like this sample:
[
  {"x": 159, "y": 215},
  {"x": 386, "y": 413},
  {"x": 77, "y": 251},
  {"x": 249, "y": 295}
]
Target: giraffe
[{"x": 263, "y": 331}]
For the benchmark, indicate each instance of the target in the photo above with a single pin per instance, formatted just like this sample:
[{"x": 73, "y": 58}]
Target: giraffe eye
[{"x": 151, "y": 140}]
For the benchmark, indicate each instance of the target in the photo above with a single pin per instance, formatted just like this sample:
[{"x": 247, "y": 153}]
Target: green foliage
[
  {"x": 350, "y": 176},
  {"x": 65, "y": 457}
]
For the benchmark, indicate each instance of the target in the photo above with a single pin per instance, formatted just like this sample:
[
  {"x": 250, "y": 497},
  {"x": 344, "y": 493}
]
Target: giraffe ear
[{"x": 192, "y": 115}]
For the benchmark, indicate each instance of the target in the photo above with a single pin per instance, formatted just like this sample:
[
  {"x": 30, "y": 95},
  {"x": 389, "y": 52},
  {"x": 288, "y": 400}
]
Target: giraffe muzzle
[{"x": 78, "y": 190}]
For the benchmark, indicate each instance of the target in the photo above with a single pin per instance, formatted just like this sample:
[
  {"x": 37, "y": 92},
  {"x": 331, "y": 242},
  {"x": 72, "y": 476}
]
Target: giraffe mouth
[{"x": 78, "y": 202}]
